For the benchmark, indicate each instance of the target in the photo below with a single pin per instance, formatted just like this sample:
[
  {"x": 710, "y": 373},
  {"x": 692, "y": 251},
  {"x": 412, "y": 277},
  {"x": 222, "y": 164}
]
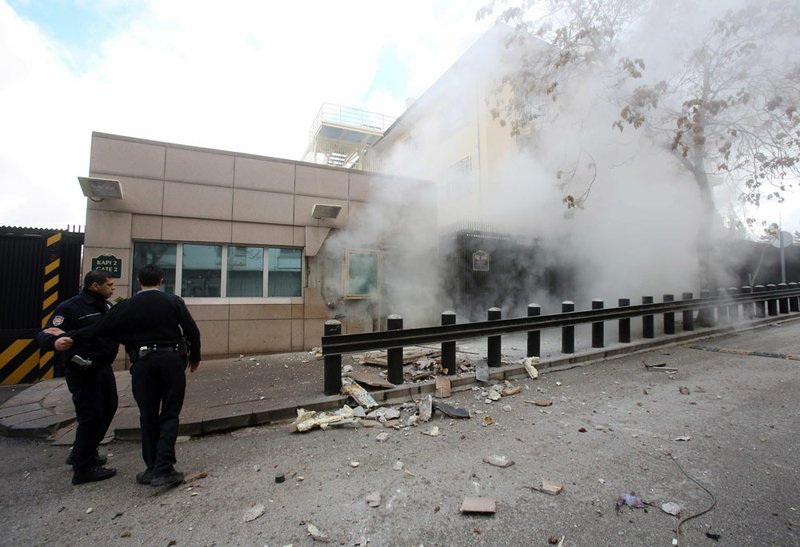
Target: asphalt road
[{"x": 717, "y": 435}]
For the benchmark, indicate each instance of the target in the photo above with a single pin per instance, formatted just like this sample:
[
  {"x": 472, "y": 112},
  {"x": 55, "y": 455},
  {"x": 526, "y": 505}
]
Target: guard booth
[{"x": 38, "y": 269}]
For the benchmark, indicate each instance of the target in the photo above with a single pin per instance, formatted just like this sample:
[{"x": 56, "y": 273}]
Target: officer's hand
[
  {"x": 193, "y": 365},
  {"x": 53, "y": 331},
  {"x": 63, "y": 343}
]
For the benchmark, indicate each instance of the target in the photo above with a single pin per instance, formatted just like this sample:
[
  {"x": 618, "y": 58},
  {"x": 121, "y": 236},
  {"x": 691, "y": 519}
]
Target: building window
[
  {"x": 245, "y": 271},
  {"x": 163, "y": 255},
  {"x": 285, "y": 272},
  {"x": 201, "y": 271},
  {"x": 217, "y": 271},
  {"x": 362, "y": 278}
]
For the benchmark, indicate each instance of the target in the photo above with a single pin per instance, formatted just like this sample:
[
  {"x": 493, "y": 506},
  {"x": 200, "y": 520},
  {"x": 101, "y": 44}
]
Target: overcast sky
[{"x": 241, "y": 75}]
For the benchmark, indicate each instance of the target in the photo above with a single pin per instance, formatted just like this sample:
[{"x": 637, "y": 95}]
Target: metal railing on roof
[{"x": 349, "y": 116}]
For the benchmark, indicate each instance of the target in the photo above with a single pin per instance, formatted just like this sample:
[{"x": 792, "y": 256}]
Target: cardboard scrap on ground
[
  {"x": 443, "y": 389},
  {"x": 509, "y": 391},
  {"x": 358, "y": 393},
  {"x": 370, "y": 379},
  {"x": 549, "y": 487},
  {"x": 410, "y": 354},
  {"x": 529, "y": 368},
  {"x": 540, "y": 402},
  {"x": 478, "y": 505}
]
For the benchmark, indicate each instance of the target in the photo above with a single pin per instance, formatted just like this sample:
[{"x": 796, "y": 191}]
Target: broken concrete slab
[
  {"x": 478, "y": 505},
  {"x": 443, "y": 388}
]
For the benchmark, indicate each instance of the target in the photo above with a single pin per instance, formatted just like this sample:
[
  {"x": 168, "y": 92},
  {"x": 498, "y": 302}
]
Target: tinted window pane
[
  {"x": 285, "y": 276},
  {"x": 245, "y": 271},
  {"x": 202, "y": 271},
  {"x": 162, "y": 255}
]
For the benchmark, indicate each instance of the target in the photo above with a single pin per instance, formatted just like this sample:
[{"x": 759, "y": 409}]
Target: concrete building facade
[{"x": 236, "y": 237}]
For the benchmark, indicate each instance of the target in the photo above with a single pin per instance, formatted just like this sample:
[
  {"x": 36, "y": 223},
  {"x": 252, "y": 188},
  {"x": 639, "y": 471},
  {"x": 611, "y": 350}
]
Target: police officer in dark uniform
[
  {"x": 88, "y": 372},
  {"x": 161, "y": 339}
]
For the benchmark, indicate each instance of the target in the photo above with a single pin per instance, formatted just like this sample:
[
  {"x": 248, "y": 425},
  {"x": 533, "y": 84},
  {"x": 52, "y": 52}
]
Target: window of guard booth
[
  {"x": 245, "y": 271},
  {"x": 362, "y": 274},
  {"x": 201, "y": 271},
  {"x": 163, "y": 255},
  {"x": 285, "y": 274}
]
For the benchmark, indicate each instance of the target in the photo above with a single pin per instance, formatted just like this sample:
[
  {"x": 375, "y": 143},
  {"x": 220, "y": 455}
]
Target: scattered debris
[
  {"x": 398, "y": 466},
  {"x": 549, "y": 487},
  {"x": 498, "y": 461},
  {"x": 382, "y": 436},
  {"x": 410, "y": 354},
  {"x": 581, "y": 430},
  {"x": 89, "y": 510},
  {"x": 671, "y": 508},
  {"x": 309, "y": 419},
  {"x": 374, "y": 499},
  {"x": 488, "y": 420},
  {"x": 631, "y": 500},
  {"x": 450, "y": 411},
  {"x": 509, "y": 391},
  {"x": 253, "y": 513},
  {"x": 494, "y": 395},
  {"x": 425, "y": 408},
  {"x": 316, "y": 534},
  {"x": 540, "y": 402},
  {"x": 715, "y": 537},
  {"x": 684, "y": 390},
  {"x": 478, "y": 505},
  {"x": 433, "y": 431},
  {"x": 443, "y": 389},
  {"x": 682, "y": 438},
  {"x": 280, "y": 477},
  {"x": 659, "y": 367},
  {"x": 358, "y": 393},
  {"x": 482, "y": 371},
  {"x": 529, "y": 368},
  {"x": 354, "y": 464}
]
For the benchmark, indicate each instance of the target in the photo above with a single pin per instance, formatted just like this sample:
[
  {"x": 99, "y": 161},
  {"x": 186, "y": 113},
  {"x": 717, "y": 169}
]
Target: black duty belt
[{"x": 146, "y": 349}]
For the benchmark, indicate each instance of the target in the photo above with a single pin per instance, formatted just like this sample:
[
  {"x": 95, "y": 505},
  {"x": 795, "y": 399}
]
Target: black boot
[{"x": 93, "y": 474}]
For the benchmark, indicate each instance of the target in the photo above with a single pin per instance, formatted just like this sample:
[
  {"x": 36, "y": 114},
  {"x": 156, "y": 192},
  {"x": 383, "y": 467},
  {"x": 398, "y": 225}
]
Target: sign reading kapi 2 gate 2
[{"x": 109, "y": 263}]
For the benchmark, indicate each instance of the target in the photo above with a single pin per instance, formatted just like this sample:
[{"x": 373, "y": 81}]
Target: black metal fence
[{"x": 725, "y": 306}]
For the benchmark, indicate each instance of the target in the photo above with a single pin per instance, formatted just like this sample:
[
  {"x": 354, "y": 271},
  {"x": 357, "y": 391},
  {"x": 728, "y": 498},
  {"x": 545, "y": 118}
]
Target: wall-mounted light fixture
[
  {"x": 325, "y": 210},
  {"x": 99, "y": 189}
]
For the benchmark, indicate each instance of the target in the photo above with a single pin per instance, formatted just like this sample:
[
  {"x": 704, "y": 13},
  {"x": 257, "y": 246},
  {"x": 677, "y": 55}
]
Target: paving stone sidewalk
[{"x": 253, "y": 390}]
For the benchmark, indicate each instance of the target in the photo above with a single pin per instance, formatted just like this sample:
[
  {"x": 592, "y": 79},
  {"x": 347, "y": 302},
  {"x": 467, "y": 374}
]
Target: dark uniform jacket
[
  {"x": 83, "y": 310},
  {"x": 148, "y": 317}
]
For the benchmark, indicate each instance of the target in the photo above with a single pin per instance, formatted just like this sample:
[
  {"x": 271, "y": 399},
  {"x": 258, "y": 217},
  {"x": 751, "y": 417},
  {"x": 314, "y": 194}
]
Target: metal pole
[
  {"x": 669, "y": 317},
  {"x": 688, "y": 315},
  {"x": 394, "y": 356},
  {"x": 648, "y": 321},
  {"x": 534, "y": 336},
  {"x": 598, "y": 336},
  {"x": 493, "y": 343},
  {"x": 624, "y": 323},
  {"x": 449, "y": 348},
  {"x": 333, "y": 363},
  {"x": 567, "y": 333}
]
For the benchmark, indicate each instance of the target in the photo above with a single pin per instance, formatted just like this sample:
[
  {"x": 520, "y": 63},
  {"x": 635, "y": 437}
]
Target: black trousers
[
  {"x": 159, "y": 385},
  {"x": 94, "y": 394}
]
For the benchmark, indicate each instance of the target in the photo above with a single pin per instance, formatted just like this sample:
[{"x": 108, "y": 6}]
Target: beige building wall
[{"x": 184, "y": 194}]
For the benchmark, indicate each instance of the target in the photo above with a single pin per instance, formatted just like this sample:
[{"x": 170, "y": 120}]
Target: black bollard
[
  {"x": 648, "y": 322},
  {"x": 624, "y": 323},
  {"x": 705, "y": 317},
  {"x": 333, "y": 363},
  {"x": 747, "y": 307},
  {"x": 761, "y": 305},
  {"x": 669, "y": 317},
  {"x": 733, "y": 309},
  {"x": 688, "y": 315},
  {"x": 722, "y": 307},
  {"x": 567, "y": 333},
  {"x": 394, "y": 356},
  {"x": 534, "y": 336},
  {"x": 794, "y": 301},
  {"x": 598, "y": 336},
  {"x": 772, "y": 300},
  {"x": 783, "y": 301},
  {"x": 493, "y": 343},
  {"x": 449, "y": 348}
]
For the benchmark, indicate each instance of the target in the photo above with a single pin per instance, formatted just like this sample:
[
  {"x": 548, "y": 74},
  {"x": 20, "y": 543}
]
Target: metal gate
[{"x": 38, "y": 269}]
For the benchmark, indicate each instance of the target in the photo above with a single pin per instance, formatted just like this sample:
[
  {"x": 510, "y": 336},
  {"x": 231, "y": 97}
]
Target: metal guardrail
[{"x": 726, "y": 305}]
